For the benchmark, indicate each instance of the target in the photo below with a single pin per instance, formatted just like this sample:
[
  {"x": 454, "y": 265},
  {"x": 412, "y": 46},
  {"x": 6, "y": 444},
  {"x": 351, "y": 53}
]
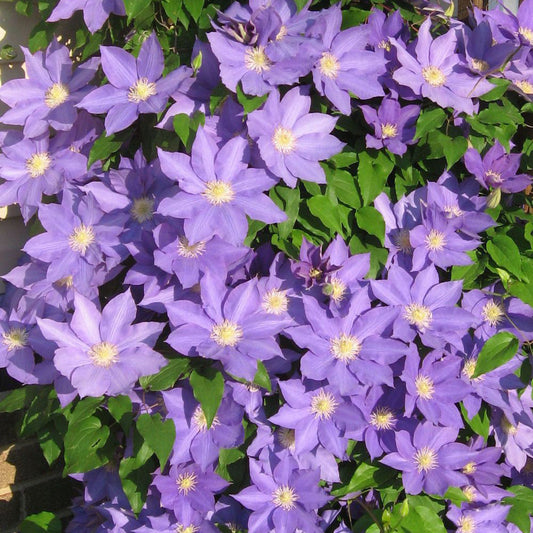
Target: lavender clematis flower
[
  {"x": 48, "y": 95},
  {"x": 135, "y": 85},
  {"x": 394, "y": 126},
  {"x": 487, "y": 518},
  {"x": 291, "y": 140},
  {"x": 95, "y": 12},
  {"x": 217, "y": 190},
  {"x": 428, "y": 459},
  {"x": 283, "y": 500},
  {"x": 102, "y": 352}
]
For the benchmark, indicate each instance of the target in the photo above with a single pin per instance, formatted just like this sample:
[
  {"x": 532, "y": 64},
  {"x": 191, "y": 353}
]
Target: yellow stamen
[
  {"x": 67, "y": 281},
  {"x": 315, "y": 273},
  {"x": 56, "y": 95},
  {"x": 389, "y": 130},
  {"x": 226, "y": 333},
  {"x": 190, "y": 251},
  {"x": 434, "y": 76},
  {"x": 469, "y": 468},
  {"x": 287, "y": 438},
  {"x": 81, "y": 238},
  {"x": 345, "y": 348},
  {"x": 470, "y": 493},
  {"x": 282, "y": 32},
  {"x": 466, "y": 525},
  {"x": 385, "y": 45},
  {"x": 323, "y": 405},
  {"x": 284, "y": 497},
  {"x": 284, "y": 140},
  {"x": 104, "y": 354},
  {"x": 200, "y": 421},
  {"x": 141, "y": 91},
  {"x": 469, "y": 368},
  {"x": 452, "y": 211},
  {"x": 329, "y": 65},
  {"x": 435, "y": 240},
  {"x": 424, "y": 387},
  {"x": 218, "y": 192},
  {"x": 418, "y": 315},
  {"x": 255, "y": 59},
  {"x": 186, "y": 482},
  {"x": 335, "y": 289},
  {"x": 15, "y": 339},
  {"x": 187, "y": 529},
  {"x": 425, "y": 459},
  {"x": 492, "y": 313},
  {"x": 525, "y": 86},
  {"x": 38, "y": 164},
  {"x": 403, "y": 241},
  {"x": 275, "y": 302},
  {"x": 382, "y": 418},
  {"x": 526, "y": 33},
  {"x": 142, "y": 209},
  {"x": 507, "y": 427},
  {"x": 480, "y": 65}
]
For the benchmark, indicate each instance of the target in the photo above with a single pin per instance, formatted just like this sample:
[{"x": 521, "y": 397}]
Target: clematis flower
[
  {"x": 135, "y": 85},
  {"x": 290, "y": 139},
  {"x": 101, "y": 352},
  {"x": 95, "y": 12},
  {"x": 487, "y": 518},
  {"x": 48, "y": 95},
  {"x": 217, "y": 191}
]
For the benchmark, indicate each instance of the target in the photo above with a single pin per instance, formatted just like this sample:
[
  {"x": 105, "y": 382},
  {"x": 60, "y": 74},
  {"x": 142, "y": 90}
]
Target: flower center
[
  {"x": 329, "y": 65},
  {"x": 469, "y": 368},
  {"x": 315, "y": 273},
  {"x": 323, "y": 405},
  {"x": 67, "y": 281},
  {"x": 435, "y": 240},
  {"x": 142, "y": 209},
  {"x": 493, "y": 177},
  {"x": 403, "y": 242},
  {"x": 15, "y": 338},
  {"x": 141, "y": 90},
  {"x": 218, "y": 192},
  {"x": 275, "y": 302},
  {"x": 469, "y": 468},
  {"x": 526, "y": 33},
  {"x": 284, "y": 497},
  {"x": 287, "y": 438},
  {"x": 345, "y": 348},
  {"x": 389, "y": 130},
  {"x": 452, "y": 211},
  {"x": 425, "y": 459},
  {"x": 470, "y": 493},
  {"x": 466, "y": 525},
  {"x": 382, "y": 418},
  {"x": 104, "y": 354},
  {"x": 525, "y": 86},
  {"x": 187, "y": 529},
  {"x": 480, "y": 65},
  {"x": 492, "y": 313},
  {"x": 434, "y": 76},
  {"x": 418, "y": 315},
  {"x": 81, "y": 238},
  {"x": 507, "y": 427},
  {"x": 284, "y": 140},
  {"x": 226, "y": 333},
  {"x": 335, "y": 289},
  {"x": 200, "y": 421},
  {"x": 255, "y": 59},
  {"x": 424, "y": 387},
  {"x": 186, "y": 482},
  {"x": 281, "y": 33},
  {"x": 38, "y": 164},
  {"x": 384, "y": 44},
  {"x": 190, "y": 251},
  {"x": 56, "y": 95}
]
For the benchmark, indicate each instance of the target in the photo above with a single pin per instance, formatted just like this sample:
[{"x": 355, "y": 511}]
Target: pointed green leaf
[
  {"x": 495, "y": 352},
  {"x": 158, "y": 434},
  {"x": 208, "y": 388}
]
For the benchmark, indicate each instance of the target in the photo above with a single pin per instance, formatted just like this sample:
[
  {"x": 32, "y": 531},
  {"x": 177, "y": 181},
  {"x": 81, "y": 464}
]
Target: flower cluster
[{"x": 323, "y": 368}]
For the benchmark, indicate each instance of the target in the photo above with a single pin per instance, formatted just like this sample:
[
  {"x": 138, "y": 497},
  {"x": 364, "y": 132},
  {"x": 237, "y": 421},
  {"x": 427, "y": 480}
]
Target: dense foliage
[{"x": 280, "y": 275}]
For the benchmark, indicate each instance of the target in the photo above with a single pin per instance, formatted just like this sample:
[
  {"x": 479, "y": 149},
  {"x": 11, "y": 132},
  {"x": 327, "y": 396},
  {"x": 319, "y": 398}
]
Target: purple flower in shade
[
  {"x": 135, "y": 85},
  {"x": 194, "y": 440},
  {"x": 437, "y": 72},
  {"x": 434, "y": 387},
  {"x": 382, "y": 27},
  {"x": 429, "y": 459},
  {"x": 231, "y": 327},
  {"x": 424, "y": 306},
  {"x": 436, "y": 241},
  {"x": 188, "y": 262},
  {"x": 48, "y": 95},
  {"x": 318, "y": 415},
  {"x": 497, "y": 169},
  {"x": 290, "y": 139},
  {"x": 189, "y": 486},
  {"x": 95, "y": 12},
  {"x": 347, "y": 351},
  {"x": 230, "y": 514},
  {"x": 103, "y": 484},
  {"x": 102, "y": 352},
  {"x": 486, "y": 518},
  {"x": 283, "y": 500},
  {"x": 80, "y": 242},
  {"x": 217, "y": 191},
  {"x": 394, "y": 125},
  {"x": 190, "y": 521},
  {"x": 106, "y": 517},
  {"x": 346, "y": 65},
  {"x": 520, "y": 73},
  {"x": 494, "y": 313}
]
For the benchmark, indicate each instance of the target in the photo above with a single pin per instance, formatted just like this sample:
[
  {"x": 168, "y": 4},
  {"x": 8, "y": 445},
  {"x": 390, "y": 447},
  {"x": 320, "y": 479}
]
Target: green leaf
[
  {"x": 261, "y": 378},
  {"x": 135, "y": 7},
  {"x": 172, "y": 9},
  {"x": 44, "y": 522},
  {"x": 288, "y": 200},
  {"x": 453, "y": 148},
  {"x": 365, "y": 476},
  {"x": 343, "y": 185},
  {"x": 505, "y": 253},
  {"x": 344, "y": 159},
  {"x": 372, "y": 174},
  {"x": 480, "y": 422},
  {"x": 456, "y": 496},
  {"x": 429, "y": 121},
  {"x": 371, "y": 221},
  {"x": 495, "y": 352},
  {"x": 421, "y": 518},
  {"x": 121, "y": 410},
  {"x": 322, "y": 208},
  {"x": 181, "y": 123},
  {"x": 17, "y": 399},
  {"x": 51, "y": 442},
  {"x": 158, "y": 435},
  {"x": 522, "y": 505},
  {"x": 228, "y": 457},
  {"x": 208, "y": 388},
  {"x": 40, "y": 36},
  {"x": 498, "y": 91},
  {"x": 167, "y": 376},
  {"x": 524, "y": 291},
  {"x": 249, "y": 103},
  {"x": 103, "y": 147},
  {"x": 194, "y": 7},
  {"x": 37, "y": 413}
]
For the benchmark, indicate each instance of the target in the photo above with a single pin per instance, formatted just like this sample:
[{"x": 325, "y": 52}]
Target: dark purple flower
[
  {"x": 102, "y": 352},
  {"x": 291, "y": 140},
  {"x": 95, "y": 12}
]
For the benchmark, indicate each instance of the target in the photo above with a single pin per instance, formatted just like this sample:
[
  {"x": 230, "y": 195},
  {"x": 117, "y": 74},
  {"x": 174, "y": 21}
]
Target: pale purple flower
[
  {"x": 486, "y": 518},
  {"x": 95, "y": 12}
]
